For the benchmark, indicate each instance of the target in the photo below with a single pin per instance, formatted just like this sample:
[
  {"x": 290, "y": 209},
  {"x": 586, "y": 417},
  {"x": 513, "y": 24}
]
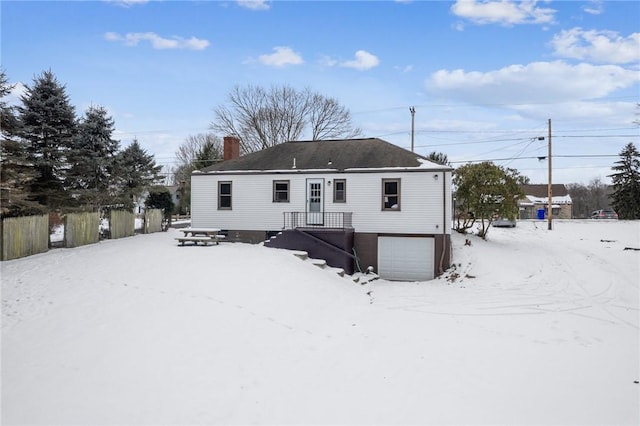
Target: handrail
[
  {"x": 327, "y": 220},
  {"x": 327, "y": 244}
]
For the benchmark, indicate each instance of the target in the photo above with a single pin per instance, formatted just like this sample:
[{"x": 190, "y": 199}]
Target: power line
[
  {"x": 597, "y": 136},
  {"x": 538, "y": 158},
  {"x": 467, "y": 105}
]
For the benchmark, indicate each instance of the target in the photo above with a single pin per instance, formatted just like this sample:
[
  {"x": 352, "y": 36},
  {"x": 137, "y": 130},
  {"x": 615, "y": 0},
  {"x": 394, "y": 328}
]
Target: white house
[{"x": 356, "y": 203}]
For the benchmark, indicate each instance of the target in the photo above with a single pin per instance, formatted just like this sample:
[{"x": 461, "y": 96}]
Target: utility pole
[
  {"x": 549, "y": 190},
  {"x": 412, "y": 110}
]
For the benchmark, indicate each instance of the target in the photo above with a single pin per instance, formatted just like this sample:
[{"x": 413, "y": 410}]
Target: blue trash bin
[{"x": 541, "y": 214}]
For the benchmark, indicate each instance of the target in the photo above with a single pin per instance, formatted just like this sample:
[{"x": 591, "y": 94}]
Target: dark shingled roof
[
  {"x": 372, "y": 153},
  {"x": 540, "y": 191}
]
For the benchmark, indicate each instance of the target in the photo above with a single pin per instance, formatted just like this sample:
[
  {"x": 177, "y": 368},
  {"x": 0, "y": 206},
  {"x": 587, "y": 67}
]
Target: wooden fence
[
  {"x": 152, "y": 220},
  {"x": 122, "y": 223},
  {"x": 24, "y": 236},
  {"x": 81, "y": 229},
  {"x": 180, "y": 217}
]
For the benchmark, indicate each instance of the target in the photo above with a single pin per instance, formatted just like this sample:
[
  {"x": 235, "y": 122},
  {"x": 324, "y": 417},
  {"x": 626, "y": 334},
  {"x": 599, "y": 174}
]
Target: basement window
[
  {"x": 224, "y": 195},
  {"x": 391, "y": 194},
  {"x": 280, "y": 191}
]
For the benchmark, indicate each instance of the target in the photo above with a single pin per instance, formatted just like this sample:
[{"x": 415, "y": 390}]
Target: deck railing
[{"x": 330, "y": 220}]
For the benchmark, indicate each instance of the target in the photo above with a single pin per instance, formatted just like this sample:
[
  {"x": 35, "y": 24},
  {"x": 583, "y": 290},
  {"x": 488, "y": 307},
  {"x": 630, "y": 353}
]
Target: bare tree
[
  {"x": 262, "y": 118},
  {"x": 330, "y": 120},
  {"x": 581, "y": 205},
  {"x": 196, "y": 152},
  {"x": 587, "y": 198},
  {"x": 190, "y": 155},
  {"x": 599, "y": 194}
]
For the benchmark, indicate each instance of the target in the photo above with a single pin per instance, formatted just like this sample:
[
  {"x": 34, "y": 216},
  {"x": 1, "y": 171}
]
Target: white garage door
[{"x": 405, "y": 258}]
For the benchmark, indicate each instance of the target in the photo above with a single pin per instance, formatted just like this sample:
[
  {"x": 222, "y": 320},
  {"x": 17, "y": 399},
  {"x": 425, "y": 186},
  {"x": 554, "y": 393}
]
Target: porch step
[
  {"x": 320, "y": 263},
  {"x": 339, "y": 271},
  {"x": 273, "y": 237},
  {"x": 301, "y": 255}
]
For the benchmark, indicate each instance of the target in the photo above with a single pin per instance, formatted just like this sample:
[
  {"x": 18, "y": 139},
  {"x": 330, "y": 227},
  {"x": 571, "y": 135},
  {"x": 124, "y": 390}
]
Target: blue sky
[{"x": 484, "y": 77}]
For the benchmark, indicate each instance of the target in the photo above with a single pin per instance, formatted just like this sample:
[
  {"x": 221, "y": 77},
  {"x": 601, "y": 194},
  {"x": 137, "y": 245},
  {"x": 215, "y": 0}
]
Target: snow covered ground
[{"x": 530, "y": 327}]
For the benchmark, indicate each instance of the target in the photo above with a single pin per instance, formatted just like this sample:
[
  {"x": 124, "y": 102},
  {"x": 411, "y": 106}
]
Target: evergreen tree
[
  {"x": 626, "y": 183},
  {"x": 93, "y": 159},
  {"x": 48, "y": 125},
  {"x": 439, "y": 157},
  {"x": 137, "y": 172},
  {"x": 160, "y": 198},
  {"x": 208, "y": 155},
  {"x": 15, "y": 170}
]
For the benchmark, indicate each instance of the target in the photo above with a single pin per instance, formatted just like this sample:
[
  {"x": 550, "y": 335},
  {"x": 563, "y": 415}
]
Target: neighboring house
[
  {"x": 355, "y": 203},
  {"x": 537, "y": 198},
  {"x": 176, "y": 192}
]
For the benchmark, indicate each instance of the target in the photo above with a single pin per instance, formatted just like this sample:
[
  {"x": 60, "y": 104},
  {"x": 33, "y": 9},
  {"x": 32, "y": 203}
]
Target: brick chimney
[{"x": 231, "y": 148}]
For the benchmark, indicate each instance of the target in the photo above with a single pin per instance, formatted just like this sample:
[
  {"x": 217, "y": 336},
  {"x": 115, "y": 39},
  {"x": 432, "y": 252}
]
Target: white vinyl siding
[
  {"x": 254, "y": 209},
  {"x": 422, "y": 203}
]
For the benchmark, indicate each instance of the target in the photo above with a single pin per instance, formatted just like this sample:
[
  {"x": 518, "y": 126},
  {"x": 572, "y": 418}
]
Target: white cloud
[
  {"x": 363, "y": 61},
  {"x": 581, "y": 112},
  {"x": 458, "y": 26},
  {"x": 111, "y": 36},
  {"x": 157, "y": 42},
  {"x": 535, "y": 83},
  {"x": 281, "y": 57},
  {"x": 327, "y": 61},
  {"x": 405, "y": 69},
  {"x": 127, "y": 3},
  {"x": 254, "y": 4},
  {"x": 503, "y": 12},
  {"x": 595, "y": 7},
  {"x": 597, "y": 46}
]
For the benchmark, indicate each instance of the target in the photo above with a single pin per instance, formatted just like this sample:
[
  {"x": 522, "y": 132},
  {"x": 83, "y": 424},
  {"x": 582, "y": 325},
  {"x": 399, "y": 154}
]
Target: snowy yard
[{"x": 531, "y": 327}]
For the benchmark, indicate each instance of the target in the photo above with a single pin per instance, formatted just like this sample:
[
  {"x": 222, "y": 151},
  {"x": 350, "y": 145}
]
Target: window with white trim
[
  {"x": 280, "y": 191},
  {"x": 224, "y": 195},
  {"x": 339, "y": 191},
  {"x": 391, "y": 194}
]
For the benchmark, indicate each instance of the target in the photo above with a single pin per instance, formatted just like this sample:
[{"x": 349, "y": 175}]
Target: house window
[
  {"x": 224, "y": 195},
  {"x": 280, "y": 191},
  {"x": 339, "y": 191},
  {"x": 390, "y": 194}
]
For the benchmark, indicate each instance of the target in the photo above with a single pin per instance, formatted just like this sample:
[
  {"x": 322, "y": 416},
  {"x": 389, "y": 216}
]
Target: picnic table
[{"x": 200, "y": 235}]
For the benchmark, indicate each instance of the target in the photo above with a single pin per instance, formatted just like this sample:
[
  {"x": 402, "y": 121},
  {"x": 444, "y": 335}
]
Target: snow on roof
[{"x": 563, "y": 199}]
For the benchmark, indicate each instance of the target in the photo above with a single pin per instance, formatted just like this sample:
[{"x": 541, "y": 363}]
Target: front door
[{"x": 315, "y": 202}]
